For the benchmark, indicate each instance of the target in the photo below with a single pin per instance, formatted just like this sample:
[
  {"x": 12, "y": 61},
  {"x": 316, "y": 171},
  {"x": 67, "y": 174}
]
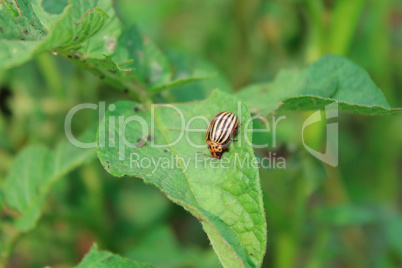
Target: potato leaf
[
  {"x": 104, "y": 259},
  {"x": 330, "y": 79},
  {"x": 80, "y": 21},
  {"x": 90, "y": 34},
  {"x": 225, "y": 195},
  {"x": 34, "y": 171}
]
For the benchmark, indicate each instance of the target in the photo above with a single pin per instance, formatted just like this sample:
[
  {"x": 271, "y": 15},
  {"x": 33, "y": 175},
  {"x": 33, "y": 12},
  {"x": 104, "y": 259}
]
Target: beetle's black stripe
[
  {"x": 218, "y": 127},
  {"x": 230, "y": 129},
  {"x": 226, "y": 129},
  {"x": 221, "y": 127},
  {"x": 209, "y": 133},
  {"x": 215, "y": 122}
]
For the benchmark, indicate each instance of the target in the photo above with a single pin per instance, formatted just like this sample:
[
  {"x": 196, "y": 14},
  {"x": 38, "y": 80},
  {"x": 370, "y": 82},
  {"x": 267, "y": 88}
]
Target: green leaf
[
  {"x": 19, "y": 22},
  {"x": 20, "y": 32},
  {"x": 89, "y": 33},
  {"x": 104, "y": 42},
  {"x": 99, "y": 259},
  {"x": 33, "y": 173},
  {"x": 226, "y": 199},
  {"x": 134, "y": 59},
  {"x": 80, "y": 21},
  {"x": 15, "y": 52},
  {"x": 330, "y": 79},
  {"x": 148, "y": 64}
]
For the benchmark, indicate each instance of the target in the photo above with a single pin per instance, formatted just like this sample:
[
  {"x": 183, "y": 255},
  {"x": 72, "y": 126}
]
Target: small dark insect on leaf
[
  {"x": 26, "y": 32},
  {"x": 150, "y": 138},
  {"x": 76, "y": 38},
  {"x": 140, "y": 143},
  {"x": 107, "y": 162},
  {"x": 69, "y": 56},
  {"x": 33, "y": 24},
  {"x": 166, "y": 150},
  {"x": 137, "y": 109}
]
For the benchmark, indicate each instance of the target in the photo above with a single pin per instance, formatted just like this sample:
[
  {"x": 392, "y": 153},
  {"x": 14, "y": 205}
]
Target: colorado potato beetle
[{"x": 220, "y": 132}]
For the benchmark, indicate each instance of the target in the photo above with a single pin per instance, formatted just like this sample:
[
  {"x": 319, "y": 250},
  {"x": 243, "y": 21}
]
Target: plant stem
[
  {"x": 51, "y": 74},
  {"x": 6, "y": 247},
  {"x": 315, "y": 46}
]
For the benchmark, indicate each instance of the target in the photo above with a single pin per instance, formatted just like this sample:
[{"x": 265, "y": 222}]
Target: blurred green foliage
[{"x": 318, "y": 216}]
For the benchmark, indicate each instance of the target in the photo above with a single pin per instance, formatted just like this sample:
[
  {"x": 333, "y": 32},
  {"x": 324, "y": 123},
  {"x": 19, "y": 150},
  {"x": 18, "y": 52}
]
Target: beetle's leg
[
  {"x": 235, "y": 130},
  {"x": 225, "y": 147}
]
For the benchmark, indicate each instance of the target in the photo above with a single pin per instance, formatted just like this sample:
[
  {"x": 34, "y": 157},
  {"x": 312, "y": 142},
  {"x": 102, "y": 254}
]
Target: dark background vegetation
[{"x": 318, "y": 216}]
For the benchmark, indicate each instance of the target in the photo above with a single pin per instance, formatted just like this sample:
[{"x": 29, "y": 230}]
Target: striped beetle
[{"x": 220, "y": 133}]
